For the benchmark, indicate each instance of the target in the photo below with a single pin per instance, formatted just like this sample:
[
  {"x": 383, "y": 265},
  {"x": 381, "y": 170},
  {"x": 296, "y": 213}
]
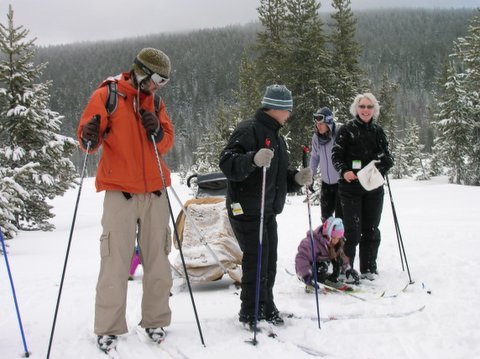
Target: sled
[{"x": 209, "y": 246}]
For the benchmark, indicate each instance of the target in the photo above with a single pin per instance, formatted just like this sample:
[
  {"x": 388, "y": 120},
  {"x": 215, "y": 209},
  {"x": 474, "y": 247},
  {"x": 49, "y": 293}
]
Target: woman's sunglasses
[{"x": 366, "y": 106}]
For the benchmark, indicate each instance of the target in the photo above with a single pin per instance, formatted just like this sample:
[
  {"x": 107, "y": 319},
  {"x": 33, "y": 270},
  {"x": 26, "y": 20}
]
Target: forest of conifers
[{"x": 409, "y": 46}]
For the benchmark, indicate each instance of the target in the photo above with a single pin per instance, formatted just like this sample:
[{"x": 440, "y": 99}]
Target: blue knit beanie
[{"x": 277, "y": 97}]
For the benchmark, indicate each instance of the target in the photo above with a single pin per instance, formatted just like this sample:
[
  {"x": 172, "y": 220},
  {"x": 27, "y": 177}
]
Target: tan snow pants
[{"x": 117, "y": 243}]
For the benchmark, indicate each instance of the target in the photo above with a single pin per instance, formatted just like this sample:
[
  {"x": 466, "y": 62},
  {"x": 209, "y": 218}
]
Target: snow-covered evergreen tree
[
  {"x": 413, "y": 149},
  {"x": 12, "y": 194},
  {"x": 453, "y": 129},
  {"x": 400, "y": 169},
  {"x": 207, "y": 155},
  {"x": 458, "y": 115},
  {"x": 29, "y": 130},
  {"x": 467, "y": 50},
  {"x": 345, "y": 58}
]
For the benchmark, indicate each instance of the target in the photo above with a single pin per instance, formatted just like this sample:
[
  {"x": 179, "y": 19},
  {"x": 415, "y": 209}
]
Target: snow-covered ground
[{"x": 440, "y": 225}]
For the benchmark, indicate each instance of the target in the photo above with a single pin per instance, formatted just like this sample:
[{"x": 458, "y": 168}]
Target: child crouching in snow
[{"x": 328, "y": 248}]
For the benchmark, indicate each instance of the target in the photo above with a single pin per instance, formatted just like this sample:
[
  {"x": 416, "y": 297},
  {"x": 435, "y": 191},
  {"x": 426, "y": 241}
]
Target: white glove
[
  {"x": 304, "y": 177},
  {"x": 263, "y": 157}
]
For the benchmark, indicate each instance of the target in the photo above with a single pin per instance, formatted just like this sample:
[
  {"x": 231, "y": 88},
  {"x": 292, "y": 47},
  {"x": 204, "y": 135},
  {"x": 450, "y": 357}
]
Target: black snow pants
[
  {"x": 362, "y": 211},
  {"x": 330, "y": 201},
  {"x": 247, "y": 230}
]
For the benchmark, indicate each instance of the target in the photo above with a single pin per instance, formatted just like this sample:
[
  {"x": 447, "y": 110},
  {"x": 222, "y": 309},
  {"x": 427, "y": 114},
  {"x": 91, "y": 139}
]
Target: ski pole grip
[
  {"x": 305, "y": 156},
  {"x": 267, "y": 143}
]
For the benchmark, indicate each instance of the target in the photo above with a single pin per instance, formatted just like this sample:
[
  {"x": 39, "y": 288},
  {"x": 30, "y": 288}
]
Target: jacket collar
[
  {"x": 358, "y": 121},
  {"x": 268, "y": 121}
]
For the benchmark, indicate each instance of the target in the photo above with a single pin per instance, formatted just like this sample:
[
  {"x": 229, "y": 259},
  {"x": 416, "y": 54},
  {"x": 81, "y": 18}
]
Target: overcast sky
[{"x": 65, "y": 21}]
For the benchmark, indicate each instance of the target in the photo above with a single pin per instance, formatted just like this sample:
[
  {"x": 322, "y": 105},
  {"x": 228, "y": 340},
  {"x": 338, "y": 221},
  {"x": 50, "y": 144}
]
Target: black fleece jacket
[
  {"x": 360, "y": 141},
  {"x": 245, "y": 179}
]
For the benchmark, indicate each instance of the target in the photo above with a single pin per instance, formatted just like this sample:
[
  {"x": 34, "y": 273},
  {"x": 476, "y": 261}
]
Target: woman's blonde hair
[{"x": 369, "y": 96}]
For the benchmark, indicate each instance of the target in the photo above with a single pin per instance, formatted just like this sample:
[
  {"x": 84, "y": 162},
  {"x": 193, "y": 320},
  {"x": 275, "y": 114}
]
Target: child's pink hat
[{"x": 333, "y": 227}]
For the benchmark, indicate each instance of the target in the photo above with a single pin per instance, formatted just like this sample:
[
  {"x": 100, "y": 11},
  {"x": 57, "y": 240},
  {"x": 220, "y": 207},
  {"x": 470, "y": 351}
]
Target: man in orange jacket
[{"x": 128, "y": 172}]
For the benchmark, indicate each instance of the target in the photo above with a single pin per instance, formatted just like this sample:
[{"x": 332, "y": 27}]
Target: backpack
[{"x": 113, "y": 93}]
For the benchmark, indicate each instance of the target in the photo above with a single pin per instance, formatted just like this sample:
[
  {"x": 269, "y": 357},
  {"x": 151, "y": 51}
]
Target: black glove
[
  {"x": 322, "y": 271},
  {"x": 310, "y": 281},
  {"x": 91, "y": 131},
  {"x": 152, "y": 126},
  {"x": 355, "y": 277}
]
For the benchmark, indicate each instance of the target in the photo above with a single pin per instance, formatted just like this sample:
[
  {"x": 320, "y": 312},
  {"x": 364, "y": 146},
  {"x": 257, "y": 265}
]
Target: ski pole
[
  {"x": 27, "y": 353},
  {"x": 69, "y": 244},
  {"x": 401, "y": 247},
  {"x": 259, "y": 254},
  {"x": 314, "y": 260},
  {"x": 157, "y": 155}
]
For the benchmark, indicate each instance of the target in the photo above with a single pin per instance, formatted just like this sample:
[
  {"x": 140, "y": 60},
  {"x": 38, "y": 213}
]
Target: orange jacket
[{"x": 128, "y": 162}]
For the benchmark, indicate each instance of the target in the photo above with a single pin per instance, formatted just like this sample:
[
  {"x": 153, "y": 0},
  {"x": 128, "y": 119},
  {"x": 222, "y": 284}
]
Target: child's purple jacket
[{"x": 303, "y": 259}]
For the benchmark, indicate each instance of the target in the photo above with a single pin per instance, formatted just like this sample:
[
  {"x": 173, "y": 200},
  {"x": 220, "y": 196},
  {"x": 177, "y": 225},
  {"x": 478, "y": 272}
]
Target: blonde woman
[{"x": 358, "y": 143}]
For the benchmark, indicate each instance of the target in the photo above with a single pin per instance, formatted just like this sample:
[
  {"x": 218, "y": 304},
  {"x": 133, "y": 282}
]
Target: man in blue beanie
[{"x": 256, "y": 144}]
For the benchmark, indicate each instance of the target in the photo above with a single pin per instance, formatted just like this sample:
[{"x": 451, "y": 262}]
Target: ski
[
  {"x": 360, "y": 315},
  {"x": 306, "y": 349},
  {"x": 349, "y": 290},
  {"x": 112, "y": 353},
  {"x": 397, "y": 293},
  {"x": 172, "y": 352}
]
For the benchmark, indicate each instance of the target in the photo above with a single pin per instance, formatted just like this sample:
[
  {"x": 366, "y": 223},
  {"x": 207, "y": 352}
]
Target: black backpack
[{"x": 112, "y": 98}]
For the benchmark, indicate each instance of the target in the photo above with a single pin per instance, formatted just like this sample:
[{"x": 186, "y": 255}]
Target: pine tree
[
  {"x": 345, "y": 58},
  {"x": 452, "y": 126},
  {"x": 412, "y": 148},
  {"x": 207, "y": 155},
  {"x": 467, "y": 51},
  {"x": 401, "y": 168},
  {"x": 270, "y": 44},
  {"x": 12, "y": 194},
  {"x": 29, "y": 129},
  {"x": 249, "y": 94},
  {"x": 291, "y": 52},
  {"x": 389, "y": 124},
  {"x": 306, "y": 70}
]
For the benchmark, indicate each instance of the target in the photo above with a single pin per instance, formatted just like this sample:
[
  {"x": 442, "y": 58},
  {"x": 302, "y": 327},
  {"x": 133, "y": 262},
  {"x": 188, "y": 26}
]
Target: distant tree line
[
  {"x": 407, "y": 46},
  {"x": 424, "y": 66}
]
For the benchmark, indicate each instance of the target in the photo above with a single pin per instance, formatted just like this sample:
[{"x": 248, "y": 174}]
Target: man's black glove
[
  {"x": 91, "y": 131},
  {"x": 152, "y": 126}
]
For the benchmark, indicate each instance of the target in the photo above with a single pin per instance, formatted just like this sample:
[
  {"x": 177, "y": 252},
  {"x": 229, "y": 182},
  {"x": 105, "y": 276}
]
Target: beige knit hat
[{"x": 149, "y": 61}]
